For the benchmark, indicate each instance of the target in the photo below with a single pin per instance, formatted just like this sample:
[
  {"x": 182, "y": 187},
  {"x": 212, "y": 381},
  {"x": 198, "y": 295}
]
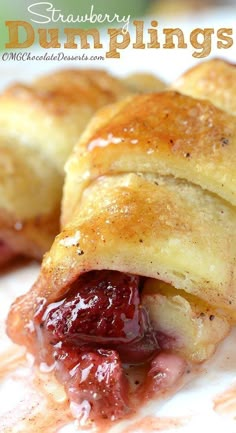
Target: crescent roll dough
[
  {"x": 149, "y": 192},
  {"x": 214, "y": 80},
  {"x": 39, "y": 124}
]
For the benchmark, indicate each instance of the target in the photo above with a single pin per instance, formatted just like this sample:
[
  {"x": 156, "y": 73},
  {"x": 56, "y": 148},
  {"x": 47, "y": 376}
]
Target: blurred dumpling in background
[
  {"x": 39, "y": 125},
  {"x": 214, "y": 80}
]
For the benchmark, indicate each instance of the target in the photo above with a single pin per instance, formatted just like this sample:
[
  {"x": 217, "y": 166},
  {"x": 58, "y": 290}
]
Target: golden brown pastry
[
  {"x": 39, "y": 124},
  {"x": 143, "y": 271},
  {"x": 144, "y": 83},
  {"x": 214, "y": 80}
]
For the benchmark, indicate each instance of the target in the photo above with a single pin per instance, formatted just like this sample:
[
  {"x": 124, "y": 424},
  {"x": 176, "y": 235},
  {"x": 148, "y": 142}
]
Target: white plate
[{"x": 208, "y": 401}]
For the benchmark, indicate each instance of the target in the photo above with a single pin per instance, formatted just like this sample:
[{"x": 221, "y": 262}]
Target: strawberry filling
[
  {"x": 94, "y": 381},
  {"x": 88, "y": 336}
]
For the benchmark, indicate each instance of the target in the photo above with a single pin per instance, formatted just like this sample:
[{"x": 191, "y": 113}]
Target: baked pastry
[
  {"x": 214, "y": 80},
  {"x": 144, "y": 83},
  {"x": 143, "y": 271},
  {"x": 39, "y": 124}
]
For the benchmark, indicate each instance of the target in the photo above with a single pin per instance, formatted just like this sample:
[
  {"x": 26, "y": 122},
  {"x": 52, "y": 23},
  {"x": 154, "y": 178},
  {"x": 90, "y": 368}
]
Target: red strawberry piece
[
  {"x": 94, "y": 381},
  {"x": 101, "y": 307}
]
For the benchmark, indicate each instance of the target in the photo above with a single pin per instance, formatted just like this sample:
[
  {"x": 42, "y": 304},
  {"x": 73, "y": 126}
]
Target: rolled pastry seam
[
  {"x": 39, "y": 124},
  {"x": 214, "y": 80},
  {"x": 166, "y": 133}
]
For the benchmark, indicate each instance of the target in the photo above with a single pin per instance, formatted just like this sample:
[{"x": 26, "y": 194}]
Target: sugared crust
[
  {"x": 214, "y": 80},
  {"x": 166, "y": 133}
]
